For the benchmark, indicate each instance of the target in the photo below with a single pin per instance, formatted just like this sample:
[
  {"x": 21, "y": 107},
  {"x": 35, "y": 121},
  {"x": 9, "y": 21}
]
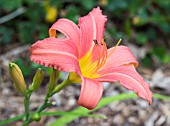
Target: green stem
[
  {"x": 29, "y": 117},
  {"x": 44, "y": 105},
  {"x": 60, "y": 86},
  {"x": 26, "y": 103},
  {"x": 26, "y": 123}
]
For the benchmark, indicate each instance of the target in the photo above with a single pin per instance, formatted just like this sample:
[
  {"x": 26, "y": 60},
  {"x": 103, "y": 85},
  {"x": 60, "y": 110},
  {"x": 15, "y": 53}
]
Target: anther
[
  {"x": 96, "y": 42},
  {"x": 102, "y": 43}
]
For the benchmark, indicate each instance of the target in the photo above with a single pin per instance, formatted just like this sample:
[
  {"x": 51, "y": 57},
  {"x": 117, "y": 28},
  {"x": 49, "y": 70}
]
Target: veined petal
[
  {"x": 91, "y": 28},
  {"x": 129, "y": 78},
  {"x": 68, "y": 28},
  {"x": 91, "y": 92},
  {"x": 122, "y": 55},
  {"x": 57, "y": 53}
]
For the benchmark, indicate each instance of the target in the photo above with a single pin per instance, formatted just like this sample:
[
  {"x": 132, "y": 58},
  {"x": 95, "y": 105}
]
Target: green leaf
[
  {"x": 159, "y": 51},
  {"x": 147, "y": 62},
  {"x": 161, "y": 97},
  {"x": 88, "y": 4},
  {"x": 116, "y": 6},
  {"x": 80, "y": 111},
  {"x": 10, "y": 4},
  {"x": 35, "y": 13},
  {"x": 128, "y": 28},
  {"x": 151, "y": 34},
  {"x": 4, "y": 122},
  {"x": 62, "y": 121},
  {"x": 26, "y": 31},
  {"x": 43, "y": 31},
  {"x": 141, "y": 38},
  {"x": 16, "y": 118},
  {"x": 71, "y": 113},
  {"x": 57, "y": 3},
  {"x": 72, "y": 13},
  {"x": 134, "y": 6},
  {"x": 166, "y": 58},
  {"x": 6, "y": 34}
]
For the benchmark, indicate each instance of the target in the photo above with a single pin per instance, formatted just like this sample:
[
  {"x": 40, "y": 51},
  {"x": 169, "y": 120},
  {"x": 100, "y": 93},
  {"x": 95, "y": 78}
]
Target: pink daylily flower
[{"x": 84, "y": 53}]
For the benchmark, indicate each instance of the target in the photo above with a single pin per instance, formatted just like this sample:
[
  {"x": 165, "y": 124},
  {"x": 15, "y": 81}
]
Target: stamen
[
  {"x": 92, "y": 68},
  {"x": 98, "y": 61},
  {"x": 95, "y": 42},
  {"x": 114, "y": 48},
  {"x": 102, "y": 43},
  {"x": 104, "y": 55}
]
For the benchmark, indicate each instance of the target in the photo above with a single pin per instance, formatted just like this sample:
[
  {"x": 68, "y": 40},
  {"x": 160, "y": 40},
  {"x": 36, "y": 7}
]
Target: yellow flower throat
[{"x": 89, "y": 67}]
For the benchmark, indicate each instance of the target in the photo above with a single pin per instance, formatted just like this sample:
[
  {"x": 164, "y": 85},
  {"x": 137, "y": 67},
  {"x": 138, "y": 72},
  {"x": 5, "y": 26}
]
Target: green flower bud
[
  {"x": 53, "y": 79},
  {"x": 17, "y": 77},
  {"x": 37, "y": 78},
  {"x": 36, "y": 117}
]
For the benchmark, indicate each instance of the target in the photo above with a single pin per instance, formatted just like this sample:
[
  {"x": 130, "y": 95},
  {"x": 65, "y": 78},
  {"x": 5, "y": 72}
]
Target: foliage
[{"x": 143, "y": 23}]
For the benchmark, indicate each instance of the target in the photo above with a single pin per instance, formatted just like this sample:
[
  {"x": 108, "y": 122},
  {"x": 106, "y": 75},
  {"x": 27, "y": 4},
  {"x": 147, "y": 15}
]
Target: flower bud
[
  {"x": 37, "y": 79},
  {"x": 17, "y": 78},
  {"x": 53, "y": 80}
]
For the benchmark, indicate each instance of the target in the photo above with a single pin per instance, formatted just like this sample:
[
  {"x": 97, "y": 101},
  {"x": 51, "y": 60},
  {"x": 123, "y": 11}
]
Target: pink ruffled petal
[
  {"x": 91, "y": 28},
  {"x": 68, "y": 28},
  {"x": 91, "y": 92},
  {"x": 57, "y": 53},
  {"x": 122, "y": 55},
  {"x": 129, "y": 78}
]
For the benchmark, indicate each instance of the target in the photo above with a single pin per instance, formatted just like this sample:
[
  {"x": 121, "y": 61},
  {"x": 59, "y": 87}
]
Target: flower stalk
[
  {"x": 60, "y": 86},
  {"x": 52, "y": 89}
]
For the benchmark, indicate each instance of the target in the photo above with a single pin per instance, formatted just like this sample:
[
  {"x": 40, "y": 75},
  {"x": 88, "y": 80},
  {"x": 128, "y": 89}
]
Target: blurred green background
[{"x": 144, "y": 23}]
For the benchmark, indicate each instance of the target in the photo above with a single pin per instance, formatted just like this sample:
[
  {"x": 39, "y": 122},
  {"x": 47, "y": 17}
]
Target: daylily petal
[
  {"x": 91, "y": 28},
  {"x": 91, "y": 92},
  {"x": 58, "y": 53},
  {"x": 122, "y": 55},
  {"x": 129, "y": 78},
  {"x": 68, "y": 28}
]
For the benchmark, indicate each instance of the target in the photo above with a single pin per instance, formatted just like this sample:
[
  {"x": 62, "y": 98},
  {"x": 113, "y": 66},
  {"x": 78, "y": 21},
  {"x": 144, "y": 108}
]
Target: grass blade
[
  {"x": 67, "y": 117},
  {"x": 4, "y": 122},
  {"x": 62, "y": 121}
]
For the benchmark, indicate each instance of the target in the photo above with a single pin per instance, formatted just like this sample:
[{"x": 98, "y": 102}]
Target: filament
[{"x": 88, "y": 67}]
